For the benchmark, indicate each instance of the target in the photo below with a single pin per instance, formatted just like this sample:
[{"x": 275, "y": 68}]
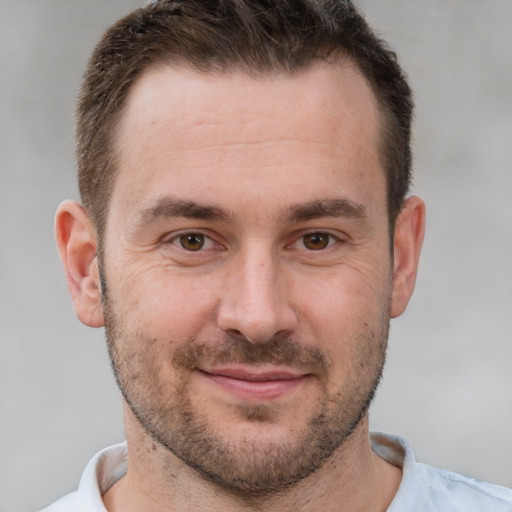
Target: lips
[{"x": 261, "y": 383}]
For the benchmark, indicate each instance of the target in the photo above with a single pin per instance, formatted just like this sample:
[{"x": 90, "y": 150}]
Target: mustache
[{"x": 280, "y": 350}]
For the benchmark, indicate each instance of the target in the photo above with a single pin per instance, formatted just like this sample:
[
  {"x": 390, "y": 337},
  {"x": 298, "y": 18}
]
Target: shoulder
[
  {"x": 65, "y": 504},
  {"x": 425, "y": 488},
  {"x": 102, "y": 471},
  {"x": 453, "y": 492}
]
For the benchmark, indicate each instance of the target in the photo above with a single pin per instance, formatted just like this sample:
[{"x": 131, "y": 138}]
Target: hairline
[{"x": 336, "y": 60}]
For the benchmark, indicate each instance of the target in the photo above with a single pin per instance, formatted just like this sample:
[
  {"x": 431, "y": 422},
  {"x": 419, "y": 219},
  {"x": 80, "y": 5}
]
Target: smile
[{"x": 256, "y": 384}]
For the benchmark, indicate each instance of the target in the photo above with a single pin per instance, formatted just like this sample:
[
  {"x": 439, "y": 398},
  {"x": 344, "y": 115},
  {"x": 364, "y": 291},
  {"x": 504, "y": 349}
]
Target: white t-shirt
[{"x": 423, "y": 488}]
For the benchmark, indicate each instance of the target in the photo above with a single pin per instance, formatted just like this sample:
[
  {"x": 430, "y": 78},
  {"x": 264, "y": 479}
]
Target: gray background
[{"x": 448, "y": 383}]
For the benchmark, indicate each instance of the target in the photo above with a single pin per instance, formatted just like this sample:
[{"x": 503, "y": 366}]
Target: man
[{"x": 245, "y": 237}]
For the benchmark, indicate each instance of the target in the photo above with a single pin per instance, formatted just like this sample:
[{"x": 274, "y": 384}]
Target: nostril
[
  {"x": 235, "y": 333},
  {"x": 276, "y": 337}
]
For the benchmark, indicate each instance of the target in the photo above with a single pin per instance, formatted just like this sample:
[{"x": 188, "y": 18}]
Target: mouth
[{"x": 256, "y": 383}]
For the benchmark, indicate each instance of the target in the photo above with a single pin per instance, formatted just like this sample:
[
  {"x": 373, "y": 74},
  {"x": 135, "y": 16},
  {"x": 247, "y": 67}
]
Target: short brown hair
[{"x": 254, "y": 36}]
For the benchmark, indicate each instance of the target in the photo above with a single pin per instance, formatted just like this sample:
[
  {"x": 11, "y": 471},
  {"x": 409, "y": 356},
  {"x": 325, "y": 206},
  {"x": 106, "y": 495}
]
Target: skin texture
[{"x": 249, "y": 287}]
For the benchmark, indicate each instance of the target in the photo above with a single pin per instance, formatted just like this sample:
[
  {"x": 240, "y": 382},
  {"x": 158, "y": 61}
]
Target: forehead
[
  {"x": 326, "y": 96},
  {"x": 182, "y": 130}
]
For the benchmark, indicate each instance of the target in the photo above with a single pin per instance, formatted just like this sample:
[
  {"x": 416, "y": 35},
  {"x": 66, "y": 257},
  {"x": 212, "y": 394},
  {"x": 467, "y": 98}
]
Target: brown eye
[
  {"x": 316, "y": 241},
  {"x": 192, "y": 241}
]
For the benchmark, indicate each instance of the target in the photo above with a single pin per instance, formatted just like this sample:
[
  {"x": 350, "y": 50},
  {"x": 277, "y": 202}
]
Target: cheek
[
  {"x": 167, "y": 305},
  {"x": 344, "y": 305}
]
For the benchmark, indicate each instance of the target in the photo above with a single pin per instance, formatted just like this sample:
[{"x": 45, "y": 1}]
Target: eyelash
[
  {"x": 176, "y": 241},
  {"x": 332, "y": 240}
]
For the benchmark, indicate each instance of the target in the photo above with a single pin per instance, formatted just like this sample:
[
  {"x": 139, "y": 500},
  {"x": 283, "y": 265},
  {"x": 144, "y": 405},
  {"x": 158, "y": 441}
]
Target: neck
[{"x": 353, "y": 479}]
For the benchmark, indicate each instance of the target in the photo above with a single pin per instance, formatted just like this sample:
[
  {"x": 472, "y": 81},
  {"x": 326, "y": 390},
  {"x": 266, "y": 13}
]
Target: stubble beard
[{"x": 250, "y": 466}]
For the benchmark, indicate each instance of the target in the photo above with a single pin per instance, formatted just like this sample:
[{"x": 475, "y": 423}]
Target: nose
[{"x": 255, "y": 304}]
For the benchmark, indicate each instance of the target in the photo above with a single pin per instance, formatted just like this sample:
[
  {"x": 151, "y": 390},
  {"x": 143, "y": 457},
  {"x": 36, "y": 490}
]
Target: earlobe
[
  {"x": 76, "y": 240},
  {"x": 408, "y": 239}
]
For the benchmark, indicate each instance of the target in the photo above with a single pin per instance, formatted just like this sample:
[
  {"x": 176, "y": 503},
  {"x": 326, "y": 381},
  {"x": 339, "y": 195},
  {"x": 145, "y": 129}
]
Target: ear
[
  {"x": 76, "y": 240},
  {"x": 408, "y": 239}
]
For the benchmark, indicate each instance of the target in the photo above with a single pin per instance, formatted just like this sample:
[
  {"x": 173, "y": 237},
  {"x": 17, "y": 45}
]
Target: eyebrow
[
  {"x": 168, "y": 207},
  {"x": 171, "y": 207},
  {"x": 336, "y": 207}
]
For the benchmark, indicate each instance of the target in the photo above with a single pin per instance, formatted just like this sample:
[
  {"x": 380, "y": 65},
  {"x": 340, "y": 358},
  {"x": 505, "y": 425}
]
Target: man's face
[{"x": 248, "y": 267}]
